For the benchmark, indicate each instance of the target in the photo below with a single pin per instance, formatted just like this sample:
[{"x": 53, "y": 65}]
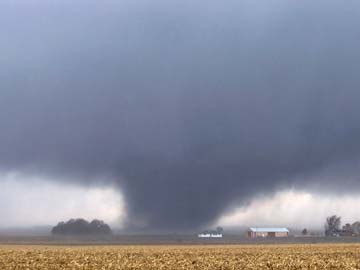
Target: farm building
[
  {"x": 267, "y": 232},
  {"x": 210, "y": 234}
]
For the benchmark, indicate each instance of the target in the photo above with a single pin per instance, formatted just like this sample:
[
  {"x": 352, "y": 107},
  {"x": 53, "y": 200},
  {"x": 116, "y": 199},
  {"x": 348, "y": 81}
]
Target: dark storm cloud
[{"x": 191, "y": 106}]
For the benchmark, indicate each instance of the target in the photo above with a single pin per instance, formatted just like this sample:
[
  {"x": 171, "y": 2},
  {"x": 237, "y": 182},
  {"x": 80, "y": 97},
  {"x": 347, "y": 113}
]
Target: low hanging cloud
[
  {"x": 34, "y": 201},
  {"x": 293, "y": 208},
  {"x": 188, "y": 108}
]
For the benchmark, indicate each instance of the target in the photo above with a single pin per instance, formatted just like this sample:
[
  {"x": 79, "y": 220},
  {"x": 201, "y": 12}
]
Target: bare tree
[{"x": 332, "y": 225}]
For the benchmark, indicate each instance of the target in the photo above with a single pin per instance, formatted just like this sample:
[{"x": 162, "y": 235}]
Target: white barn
[
  {"x": 211, "y": 234},
  {"x": 267, "y": 232}
]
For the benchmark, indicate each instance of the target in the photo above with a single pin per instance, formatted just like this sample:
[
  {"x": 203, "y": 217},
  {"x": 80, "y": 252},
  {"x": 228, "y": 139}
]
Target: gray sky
[{"x": 189, "y": 109}]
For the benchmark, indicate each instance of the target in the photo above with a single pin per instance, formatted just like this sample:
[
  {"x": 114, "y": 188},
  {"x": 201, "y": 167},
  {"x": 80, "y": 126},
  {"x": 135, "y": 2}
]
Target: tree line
[
  {"x": 333, "y": 227},
  {"x": 81, "y": 227}
]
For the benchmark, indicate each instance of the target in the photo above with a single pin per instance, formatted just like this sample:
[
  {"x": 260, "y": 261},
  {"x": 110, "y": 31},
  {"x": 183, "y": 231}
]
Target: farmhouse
[
  {"x": 267, "y": 232},
  {"x": 211, "y": 234}
]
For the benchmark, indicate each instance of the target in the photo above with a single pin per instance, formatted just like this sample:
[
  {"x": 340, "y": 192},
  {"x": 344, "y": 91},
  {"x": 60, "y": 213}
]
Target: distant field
[
  {"x": 295, "y": 256},
  {"x": 170, "y": 239}
]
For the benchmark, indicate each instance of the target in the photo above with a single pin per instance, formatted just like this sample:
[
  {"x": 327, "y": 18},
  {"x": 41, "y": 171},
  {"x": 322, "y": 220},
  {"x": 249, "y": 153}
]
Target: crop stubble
[{"x": 297, "y": 256}]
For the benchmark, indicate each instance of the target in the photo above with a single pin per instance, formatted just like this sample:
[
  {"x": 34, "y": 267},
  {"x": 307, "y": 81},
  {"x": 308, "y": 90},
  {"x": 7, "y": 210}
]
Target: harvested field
[{"x": 297, "y": 256}]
